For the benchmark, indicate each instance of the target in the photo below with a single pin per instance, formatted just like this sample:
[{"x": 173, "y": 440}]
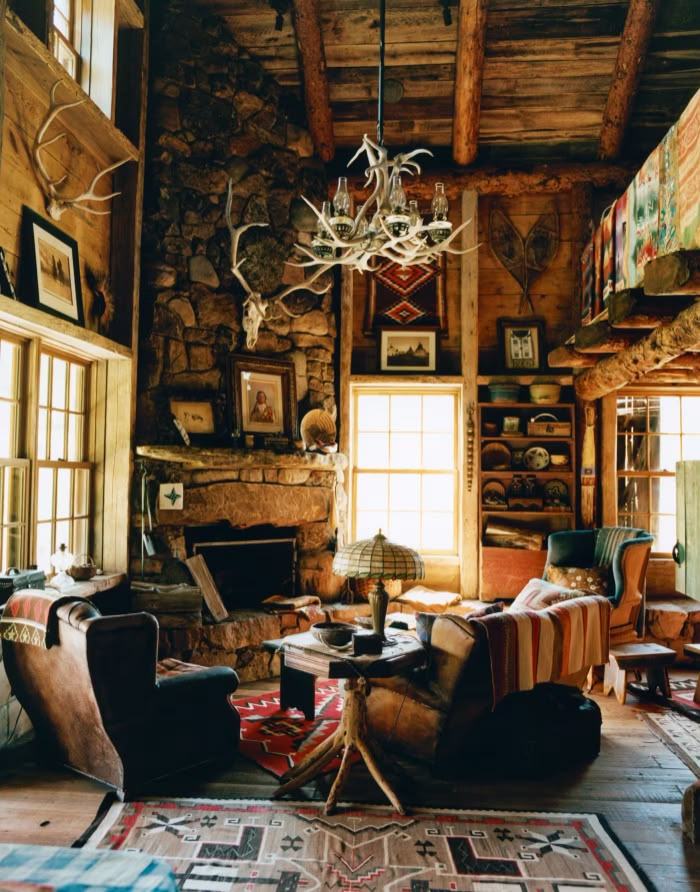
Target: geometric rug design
[
  {"x": 680, "y": 734},
  {"x": 277, "y": 740},
  {"x": 219, "y": 845}
]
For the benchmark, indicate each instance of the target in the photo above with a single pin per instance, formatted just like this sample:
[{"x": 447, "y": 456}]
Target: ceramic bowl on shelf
[
  {"x": 504, "y": 393},
  {"x": 545, "y": 393}
]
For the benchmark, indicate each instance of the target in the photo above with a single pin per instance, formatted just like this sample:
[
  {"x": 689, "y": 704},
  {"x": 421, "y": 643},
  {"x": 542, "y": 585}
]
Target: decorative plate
[
  {"x": 493, "y": 494},
  {"x": 536, "y": 458},
  {"x": 495, "y": 457},
  {"x": 556, "y": 492}
]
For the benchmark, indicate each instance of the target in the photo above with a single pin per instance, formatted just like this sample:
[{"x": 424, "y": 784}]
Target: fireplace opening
[{"x": 248, "y": 565}]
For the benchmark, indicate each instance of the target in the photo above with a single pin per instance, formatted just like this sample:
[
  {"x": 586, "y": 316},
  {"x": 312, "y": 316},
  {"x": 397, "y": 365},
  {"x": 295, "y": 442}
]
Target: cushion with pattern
[
  {"x": 595, "y": 580},
  {"x": 539, "y": 594}
]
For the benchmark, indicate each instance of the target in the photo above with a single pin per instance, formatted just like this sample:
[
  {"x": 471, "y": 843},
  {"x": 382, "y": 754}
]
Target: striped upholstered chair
[{"x": 611, "y": 561}]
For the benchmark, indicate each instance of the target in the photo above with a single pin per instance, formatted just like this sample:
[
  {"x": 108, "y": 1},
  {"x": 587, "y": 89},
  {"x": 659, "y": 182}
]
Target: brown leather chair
[{"x": 98, "y": 706}]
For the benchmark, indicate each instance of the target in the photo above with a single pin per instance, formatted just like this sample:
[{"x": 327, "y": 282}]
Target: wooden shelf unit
[{"x": 505, "y": 569}]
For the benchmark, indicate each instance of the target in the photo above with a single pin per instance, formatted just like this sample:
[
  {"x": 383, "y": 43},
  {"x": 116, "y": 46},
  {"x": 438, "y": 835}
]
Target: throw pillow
[
  {"x": 589, "y": 579},
  {"x": 539, "y": 594},
  {"x": 495, "y": 607}
]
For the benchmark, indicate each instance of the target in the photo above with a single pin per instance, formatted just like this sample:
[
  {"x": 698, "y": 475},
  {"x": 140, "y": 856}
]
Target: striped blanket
[
  {"x": 29, "y": 616},
  {"x": 531, "y": 646}
]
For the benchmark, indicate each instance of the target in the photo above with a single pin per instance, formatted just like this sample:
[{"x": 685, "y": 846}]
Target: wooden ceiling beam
[
  {"x": 652, "y": 352},
  {"x": 307, "y": 26},
  {"x": 548, "y": 178},
  {"x": 469, "y": 73},
  {"x": 629, "y": 65}
]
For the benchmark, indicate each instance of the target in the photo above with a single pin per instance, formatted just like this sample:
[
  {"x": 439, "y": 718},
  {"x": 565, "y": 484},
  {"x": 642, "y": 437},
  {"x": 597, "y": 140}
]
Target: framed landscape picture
[
  {"x": 51, "y": 267},
  {"x": 262, "y": 396},
  {"x": 408, "y": 350}
]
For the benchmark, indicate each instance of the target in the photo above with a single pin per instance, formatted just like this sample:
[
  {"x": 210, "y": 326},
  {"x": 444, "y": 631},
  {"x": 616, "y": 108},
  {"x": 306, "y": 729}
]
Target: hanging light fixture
[{"x": 387, "y": 226}]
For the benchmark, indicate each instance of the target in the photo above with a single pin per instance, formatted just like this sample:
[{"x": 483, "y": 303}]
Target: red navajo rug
[
  {"x": 218, "y": 845},
  {"x": 277, "y": 740}
]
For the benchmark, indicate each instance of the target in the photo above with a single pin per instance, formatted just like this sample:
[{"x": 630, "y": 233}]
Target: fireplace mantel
[{"x": 236, "y": 459}]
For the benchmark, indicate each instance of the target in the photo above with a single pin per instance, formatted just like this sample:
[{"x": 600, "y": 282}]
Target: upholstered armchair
[
  {"x": 617, "y": 559},
  {"x": 99, "y": 707}
]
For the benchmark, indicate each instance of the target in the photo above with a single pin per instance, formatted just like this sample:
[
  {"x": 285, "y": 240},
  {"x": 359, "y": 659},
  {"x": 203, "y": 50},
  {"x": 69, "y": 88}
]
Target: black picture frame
[
  {"x": 250, "y": 376},
  {"x": 7, "y": 287},
  {"x": 50, "y": 268},
  {"x": 409, "y": 350},
  {"x": 521, "y": 342}
]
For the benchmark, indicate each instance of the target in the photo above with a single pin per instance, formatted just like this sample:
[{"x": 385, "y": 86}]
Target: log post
[
  {"x": 654, "y": 351},
  {"x": 307, "y": 26},
  {"x": 629, "y": 65},
  {"x": 677, "y": 273},
  {"x": 469, "y": 68}
]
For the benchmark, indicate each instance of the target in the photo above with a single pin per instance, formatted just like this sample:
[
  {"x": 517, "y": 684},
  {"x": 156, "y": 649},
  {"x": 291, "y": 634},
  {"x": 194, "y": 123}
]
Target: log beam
[
  {"x": 307, "y": 26},
  {"x": 469, "y": 68},
  {"x": 565, "y": 357},
  {"x": 653, "y": 352},
  {"x": 677, "y": 273},
  {"x": 546, "y": 178},
  {"x": 599, "y": 337},
  {"x": 629, "y": 65}
]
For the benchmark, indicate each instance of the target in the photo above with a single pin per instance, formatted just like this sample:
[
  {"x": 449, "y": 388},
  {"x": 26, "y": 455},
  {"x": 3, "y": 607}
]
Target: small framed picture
[
  {"x": 262, "y": 396},
  {"x": 6, "y": 286},
  {"x": 197, "y": 418},
  {"x": 408, "y": 350},
  {"x": 522, "y": 343},
  {"x": 51, "y": 267}
]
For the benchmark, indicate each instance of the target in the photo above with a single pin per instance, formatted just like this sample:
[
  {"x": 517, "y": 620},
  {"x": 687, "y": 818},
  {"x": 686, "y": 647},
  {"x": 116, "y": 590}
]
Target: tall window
[
  {"x": 65, "y": 33},
  {"x": 653, "y": 433},
  {"x": 405, "y": 467},
  {"x": 45, "y": 475}
]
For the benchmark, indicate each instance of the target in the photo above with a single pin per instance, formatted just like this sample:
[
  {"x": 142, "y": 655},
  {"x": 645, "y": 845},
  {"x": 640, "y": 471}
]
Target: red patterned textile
[
  {"x": 531, "y": 646},
  {"x": 29, "y": 616}
]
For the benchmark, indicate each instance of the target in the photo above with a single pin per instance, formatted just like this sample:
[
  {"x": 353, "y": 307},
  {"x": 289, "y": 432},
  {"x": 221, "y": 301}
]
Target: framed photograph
[
  {"x": 522, "y": 343},
  {"x": 197, "y": 418},
  {"x": 262, "y": 396},
  {"x": 51, "y": 267},
  {"x": 408, "y": 350}
]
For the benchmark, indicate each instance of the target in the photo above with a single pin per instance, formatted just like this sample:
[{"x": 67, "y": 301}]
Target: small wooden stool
[
  {"x": 633, "y": 657},
  {"x": 693, "y": 650}
]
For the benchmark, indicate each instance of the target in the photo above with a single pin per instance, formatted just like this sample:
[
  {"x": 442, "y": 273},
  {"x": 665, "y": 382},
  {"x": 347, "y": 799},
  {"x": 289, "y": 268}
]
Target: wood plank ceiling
[{"x": 561, "y": 80}]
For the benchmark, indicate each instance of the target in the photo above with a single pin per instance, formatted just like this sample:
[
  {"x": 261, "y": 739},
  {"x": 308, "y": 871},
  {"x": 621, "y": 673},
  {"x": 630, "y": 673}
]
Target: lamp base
[{"x": 378, "y": 599}]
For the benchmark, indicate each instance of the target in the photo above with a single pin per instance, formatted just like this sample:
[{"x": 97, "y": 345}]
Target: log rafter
[
  {"x": 629, "y": 65},
  {"x": 652, "y": 352},
  {"x": 471, "y": 37},
  {"x": 307, "y": 26}
]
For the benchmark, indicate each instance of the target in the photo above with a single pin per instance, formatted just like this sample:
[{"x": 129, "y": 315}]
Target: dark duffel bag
[{"x": 533, "y": 733}]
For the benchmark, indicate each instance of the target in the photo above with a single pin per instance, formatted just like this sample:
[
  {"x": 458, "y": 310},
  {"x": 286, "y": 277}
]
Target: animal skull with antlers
[
  {"x": 57, "y": 201},
  {"x": 256, "y": 308}
]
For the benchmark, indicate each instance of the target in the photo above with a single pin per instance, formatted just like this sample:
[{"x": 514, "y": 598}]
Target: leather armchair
[
  {"x": 627, "y": 570},
  {"x": 98, "y": 706}
]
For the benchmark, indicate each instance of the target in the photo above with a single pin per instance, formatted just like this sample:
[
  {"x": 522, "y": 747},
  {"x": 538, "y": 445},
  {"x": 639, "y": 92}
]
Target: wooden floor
[{"x": 636, "y": 783}]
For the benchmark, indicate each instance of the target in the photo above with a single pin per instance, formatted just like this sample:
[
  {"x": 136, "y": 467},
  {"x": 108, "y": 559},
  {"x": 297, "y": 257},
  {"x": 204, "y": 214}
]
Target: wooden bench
[{"x": 634, "y": 657}]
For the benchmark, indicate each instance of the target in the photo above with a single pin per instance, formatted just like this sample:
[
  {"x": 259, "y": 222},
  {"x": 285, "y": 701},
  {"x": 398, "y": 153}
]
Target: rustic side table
[
  {"x": 636, "y": 657},
  {"x": 302, "y": 655}
]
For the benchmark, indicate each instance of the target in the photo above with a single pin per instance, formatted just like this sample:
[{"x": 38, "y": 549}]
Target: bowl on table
[{"x": 333, "y": 634}]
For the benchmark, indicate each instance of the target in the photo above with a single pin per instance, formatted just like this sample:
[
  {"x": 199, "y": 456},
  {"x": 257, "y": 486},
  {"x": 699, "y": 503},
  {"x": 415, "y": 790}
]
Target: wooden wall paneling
[
  {"x": 469, "y": 331},
  {"x": 3, "y": 7},
  {"x": 347, "y": 327},
  {"x": 608, "y": 459},
  {"x": 499, "y": 293}
]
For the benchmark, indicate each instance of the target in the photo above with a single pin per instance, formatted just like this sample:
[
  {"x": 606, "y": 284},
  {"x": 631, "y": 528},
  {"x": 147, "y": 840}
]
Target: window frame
[
  {"x": 424, "y": 388},
  {"x": 71, "y": 42}
]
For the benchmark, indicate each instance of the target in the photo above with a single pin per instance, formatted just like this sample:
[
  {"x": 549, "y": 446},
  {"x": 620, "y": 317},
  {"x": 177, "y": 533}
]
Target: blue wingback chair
[{"x": 624, "y": 553}]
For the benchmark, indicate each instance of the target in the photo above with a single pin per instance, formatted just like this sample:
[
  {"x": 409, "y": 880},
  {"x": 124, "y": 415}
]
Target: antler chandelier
[{"x": 386, "y": 226}]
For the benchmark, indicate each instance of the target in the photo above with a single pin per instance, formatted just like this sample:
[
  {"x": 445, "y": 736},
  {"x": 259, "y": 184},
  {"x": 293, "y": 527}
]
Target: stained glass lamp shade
[{"x": 378, "y": 558}]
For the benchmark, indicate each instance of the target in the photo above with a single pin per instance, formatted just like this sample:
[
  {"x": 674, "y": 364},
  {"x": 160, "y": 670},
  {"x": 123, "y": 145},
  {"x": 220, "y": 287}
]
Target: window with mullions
[
  {"x": 405, "y": 468},
  {"x": 13, "y": 469},
  {"x": 63, "y": 473},
  {"x": 65, "y": 33},
  {"x": 653, "y": 433}
]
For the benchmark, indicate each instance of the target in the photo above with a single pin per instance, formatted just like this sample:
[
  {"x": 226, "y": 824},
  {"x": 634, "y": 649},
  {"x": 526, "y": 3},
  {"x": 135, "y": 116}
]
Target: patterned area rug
[
  {"x": 218, "y": 845},
  {"x": 277, "y": 740},
  {"x": 682, "y": 694},
  {"x": 680, "y": 734}
]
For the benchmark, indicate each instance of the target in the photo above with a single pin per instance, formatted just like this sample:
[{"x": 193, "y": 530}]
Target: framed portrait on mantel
[
  {"x": 406, "y": 296},
  {"x": 50, "y": 267},
  {"x": 522, "y": 343},
  {"x": 262, "y": 396}
]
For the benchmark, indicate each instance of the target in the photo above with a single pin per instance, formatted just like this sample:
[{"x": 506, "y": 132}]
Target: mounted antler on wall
[
  {"x": 58, "y": 201},
  {"x": 256, "y": 308}
]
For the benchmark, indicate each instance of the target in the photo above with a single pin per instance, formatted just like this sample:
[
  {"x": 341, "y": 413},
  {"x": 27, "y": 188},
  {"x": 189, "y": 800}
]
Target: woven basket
[
  {"x": 362, "y": 587},
  {"x": 83, "y": 568}
]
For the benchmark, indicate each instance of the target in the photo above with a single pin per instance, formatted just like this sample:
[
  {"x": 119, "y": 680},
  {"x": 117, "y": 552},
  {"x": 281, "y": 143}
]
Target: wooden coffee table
[{"x": 304, "y": 655}]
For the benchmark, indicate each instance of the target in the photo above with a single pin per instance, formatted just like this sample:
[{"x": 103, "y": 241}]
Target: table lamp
[{"x": 378, "y": 558}]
